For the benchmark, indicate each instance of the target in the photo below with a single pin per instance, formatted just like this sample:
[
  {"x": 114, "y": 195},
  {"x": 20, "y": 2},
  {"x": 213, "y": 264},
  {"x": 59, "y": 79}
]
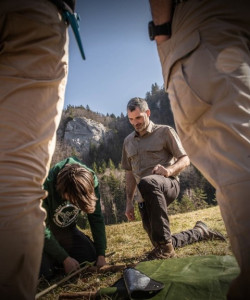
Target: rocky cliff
[{"x": 81, "y": 133}]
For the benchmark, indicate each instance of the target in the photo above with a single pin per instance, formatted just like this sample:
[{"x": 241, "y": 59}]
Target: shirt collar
[{"x": 148, "y": 130}]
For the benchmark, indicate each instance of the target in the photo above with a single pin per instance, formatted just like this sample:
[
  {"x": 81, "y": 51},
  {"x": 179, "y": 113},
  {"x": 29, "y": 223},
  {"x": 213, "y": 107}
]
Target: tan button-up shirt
[{"x": 160, "y": 145}]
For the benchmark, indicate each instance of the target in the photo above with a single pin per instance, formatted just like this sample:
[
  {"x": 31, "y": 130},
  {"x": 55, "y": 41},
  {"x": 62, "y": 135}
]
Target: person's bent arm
[
  {"x": 161, "y": 11},
  {"x": 130, "y": 191},
  {"x": 180, "y": 164},
  {"x": 97, "y": 226}
]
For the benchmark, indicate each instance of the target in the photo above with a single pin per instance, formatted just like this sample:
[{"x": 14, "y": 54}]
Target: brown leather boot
[{"x": 162, "y": 251}]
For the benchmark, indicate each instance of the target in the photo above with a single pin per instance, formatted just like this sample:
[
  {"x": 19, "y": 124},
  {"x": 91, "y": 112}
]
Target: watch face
[{"x": 151, "y": 31}]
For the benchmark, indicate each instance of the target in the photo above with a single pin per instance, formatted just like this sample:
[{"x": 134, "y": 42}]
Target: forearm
[
  {"x": 178, "y": 166},
  {"x": 161, "y": 11},
  {"x": 174, "y": 169},
  {"x": 130, "y": 186},
  {"x": 97, "y": 227},
  {"x": 130, "y": 191}
]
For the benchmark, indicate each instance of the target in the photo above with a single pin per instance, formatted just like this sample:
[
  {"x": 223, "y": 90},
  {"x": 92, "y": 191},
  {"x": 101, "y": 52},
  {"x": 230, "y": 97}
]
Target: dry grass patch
[{"x": 128, "y": 242}]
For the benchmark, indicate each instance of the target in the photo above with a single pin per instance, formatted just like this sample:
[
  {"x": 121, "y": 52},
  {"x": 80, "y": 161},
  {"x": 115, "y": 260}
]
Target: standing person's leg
[
  {"x": 33, "y": 68},
  {"x": 235, "y": 207},
  {"x": 226, "y": 166},
  {"x": 222, "y": 135},
  {"x": 215, "y": 80}
]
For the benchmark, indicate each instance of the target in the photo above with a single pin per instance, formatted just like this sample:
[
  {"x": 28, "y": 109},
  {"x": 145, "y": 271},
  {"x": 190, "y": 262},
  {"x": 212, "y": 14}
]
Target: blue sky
[{"x": 121, "y": 62}]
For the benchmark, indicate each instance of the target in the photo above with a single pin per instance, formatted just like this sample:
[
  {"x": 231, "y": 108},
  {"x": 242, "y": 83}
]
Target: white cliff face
[{"x": 80, "y": 133}]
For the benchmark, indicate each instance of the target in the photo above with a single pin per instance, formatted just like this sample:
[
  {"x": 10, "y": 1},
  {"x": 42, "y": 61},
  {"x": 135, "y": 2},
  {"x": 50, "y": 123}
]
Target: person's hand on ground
[
  {"x": 70, "y": 265},
  {"x": 101, "y": 261}
]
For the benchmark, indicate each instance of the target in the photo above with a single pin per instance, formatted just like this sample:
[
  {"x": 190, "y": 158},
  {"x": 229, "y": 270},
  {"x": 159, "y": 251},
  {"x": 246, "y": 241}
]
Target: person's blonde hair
[{"x": 76, "y": 184}]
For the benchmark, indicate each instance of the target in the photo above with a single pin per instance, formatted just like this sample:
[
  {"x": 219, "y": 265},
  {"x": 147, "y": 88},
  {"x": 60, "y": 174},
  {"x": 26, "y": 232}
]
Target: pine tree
[{"x": 111, "y": 165}]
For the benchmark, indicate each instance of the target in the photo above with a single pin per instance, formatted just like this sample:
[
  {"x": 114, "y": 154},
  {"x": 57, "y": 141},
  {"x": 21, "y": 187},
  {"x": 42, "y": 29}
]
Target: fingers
[
  {"x": 130, "y": 215},
  {"x": 156, "y": 169}
]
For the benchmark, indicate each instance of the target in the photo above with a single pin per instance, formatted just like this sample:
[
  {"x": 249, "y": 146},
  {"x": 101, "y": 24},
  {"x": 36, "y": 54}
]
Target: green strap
[{"x": 73, "y": 19}]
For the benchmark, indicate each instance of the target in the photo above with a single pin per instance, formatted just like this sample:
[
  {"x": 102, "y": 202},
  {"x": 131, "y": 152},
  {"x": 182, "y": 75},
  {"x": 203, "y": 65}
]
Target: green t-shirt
[{"x": 62, "y": 215}]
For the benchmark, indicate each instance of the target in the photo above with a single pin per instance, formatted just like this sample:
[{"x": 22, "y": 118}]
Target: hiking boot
[
  {"x": 162, "y": 251},
  {"x": 208, "y": 233}
]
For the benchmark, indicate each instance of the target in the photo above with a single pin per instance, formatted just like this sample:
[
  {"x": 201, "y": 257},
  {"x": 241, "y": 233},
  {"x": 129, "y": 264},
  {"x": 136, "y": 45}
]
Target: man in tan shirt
[{"x": 153, "y": 156}]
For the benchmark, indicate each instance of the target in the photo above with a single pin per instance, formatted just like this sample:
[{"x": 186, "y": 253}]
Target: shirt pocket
[{"x": 154, "y": 154}]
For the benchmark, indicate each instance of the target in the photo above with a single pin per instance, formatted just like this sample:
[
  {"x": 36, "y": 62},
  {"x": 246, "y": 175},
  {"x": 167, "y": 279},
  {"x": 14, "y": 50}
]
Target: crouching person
[{"x": 72, "y": 187}]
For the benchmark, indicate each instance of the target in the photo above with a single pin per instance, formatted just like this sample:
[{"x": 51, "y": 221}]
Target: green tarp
[{"x": 189, "y": 278}]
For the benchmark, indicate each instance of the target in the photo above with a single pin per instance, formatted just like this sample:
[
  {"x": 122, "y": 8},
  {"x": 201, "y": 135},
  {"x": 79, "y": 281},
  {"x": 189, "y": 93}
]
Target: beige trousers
[
  {"x": 206, "y": 68},
  {"x": 33, "y": 72}
]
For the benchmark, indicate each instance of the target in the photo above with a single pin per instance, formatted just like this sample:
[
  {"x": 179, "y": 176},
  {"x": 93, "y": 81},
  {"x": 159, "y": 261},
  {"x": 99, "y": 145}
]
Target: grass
[{"x": 128, "y": 242}]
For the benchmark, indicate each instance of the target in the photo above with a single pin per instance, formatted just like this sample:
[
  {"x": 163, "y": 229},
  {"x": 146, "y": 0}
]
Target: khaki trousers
[
  {"x": 206, "y": 68},
  {"x": 33, "y": 72}
]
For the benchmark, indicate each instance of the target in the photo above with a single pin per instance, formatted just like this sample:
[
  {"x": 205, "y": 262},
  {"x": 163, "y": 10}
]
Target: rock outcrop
[{"x": 81, "y": 133}]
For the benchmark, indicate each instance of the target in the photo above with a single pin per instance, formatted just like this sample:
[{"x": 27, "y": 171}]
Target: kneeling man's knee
[{"x": 147, "y": 184}]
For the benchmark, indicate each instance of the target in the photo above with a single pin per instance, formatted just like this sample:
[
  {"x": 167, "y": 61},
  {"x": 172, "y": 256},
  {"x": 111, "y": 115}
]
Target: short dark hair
[
  {"x": 137, "y": 102},
  {"x": 76, "y": 184}
]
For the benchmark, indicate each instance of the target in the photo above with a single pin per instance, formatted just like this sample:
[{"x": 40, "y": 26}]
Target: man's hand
[
  {"x": 101, "y": 261},
  {"x": 160, "y": 170},
  {"x": 70, "y": 264},
  {"x": 130, "y": 213},
  {"x": 173, "y": 170}
]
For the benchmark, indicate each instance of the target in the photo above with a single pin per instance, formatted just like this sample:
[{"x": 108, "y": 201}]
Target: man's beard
[{"x": 140, "y": 127}]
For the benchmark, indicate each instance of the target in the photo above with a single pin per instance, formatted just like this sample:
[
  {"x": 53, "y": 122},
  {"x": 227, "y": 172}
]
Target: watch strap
[{"x": 163, "y": 29}]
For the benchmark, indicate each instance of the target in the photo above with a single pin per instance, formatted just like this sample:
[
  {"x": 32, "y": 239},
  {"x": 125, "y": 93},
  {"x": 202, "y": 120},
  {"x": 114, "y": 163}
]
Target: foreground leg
[
  {"x": 33, "y": 68},
  {"x": 216, "y": 133}
]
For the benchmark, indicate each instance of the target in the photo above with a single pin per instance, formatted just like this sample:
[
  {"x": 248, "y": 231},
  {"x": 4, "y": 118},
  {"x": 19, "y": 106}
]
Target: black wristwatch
[{"x": 154, "y": 30}]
